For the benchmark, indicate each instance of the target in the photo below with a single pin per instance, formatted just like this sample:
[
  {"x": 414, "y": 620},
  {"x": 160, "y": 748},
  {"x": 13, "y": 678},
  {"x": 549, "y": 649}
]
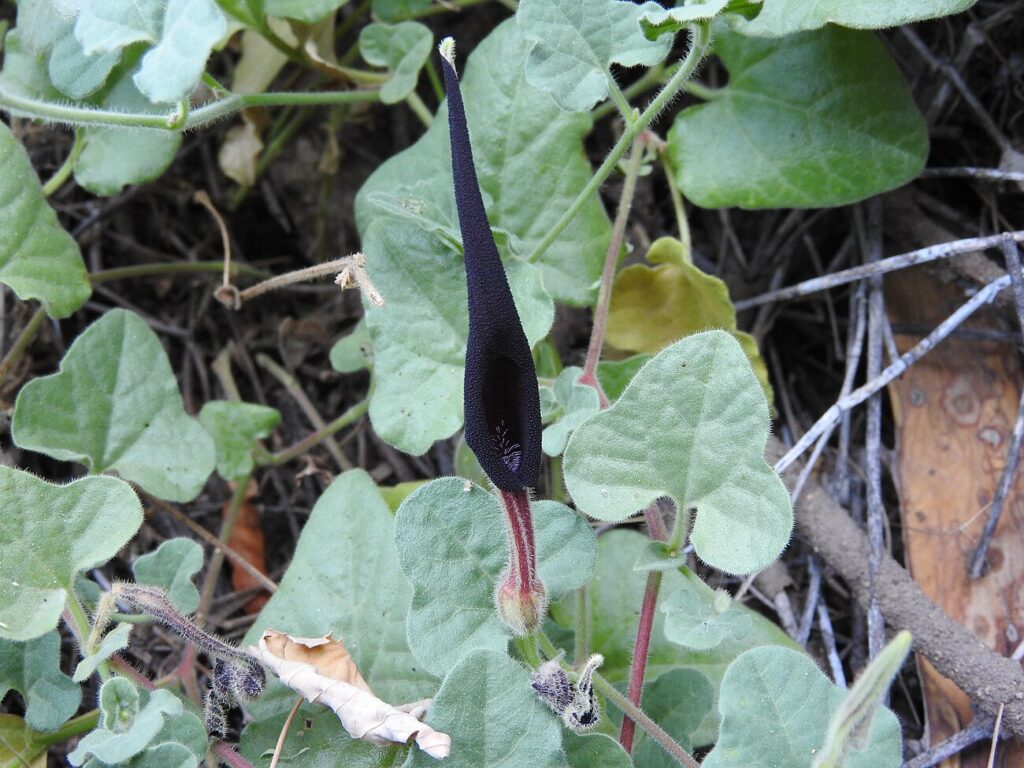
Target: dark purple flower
[{"x": 501, "y": 400}]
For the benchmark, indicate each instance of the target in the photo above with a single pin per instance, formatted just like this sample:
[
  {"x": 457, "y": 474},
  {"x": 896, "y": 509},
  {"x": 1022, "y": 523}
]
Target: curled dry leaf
[{"x": 322, "y": 670}]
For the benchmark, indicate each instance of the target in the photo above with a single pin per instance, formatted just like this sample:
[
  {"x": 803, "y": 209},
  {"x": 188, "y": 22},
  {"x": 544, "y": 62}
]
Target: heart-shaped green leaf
[
  {"x": 570, "y": 404},
  {"x": 691, "y": 425},
  {"x": 575, "y": 44},
  {"x": 38, "y": 259},
  {"x": 301, "y": 10},
  {"x": 403, "y": 49},
  {"x": 110, "y": 25},
  {"x": 662, "y": 21},
  {"x": 172, "y": 68},
  {"x": 699, "y": 617},
  {"x": 235, "y": 428},
  {"x": 171, "y": 567},
  {"x": 419, "y": 336},
  {"x": 488, "y": 705},
  {"x": 776, "y": 706},
  {"x": 115, "y": 404},
  {"x": 33, "y": 669},
  {"x": 112, "y": 158},
  {"x": 781, "y": 17},
  {"x": 678, "y": 701},
  {"x": 594, "y": 749},
  {"x": 614, "y": 596},
  {"x": 67, "y": 529},
  {"x": 115, "y": 640},
  {"x": 353, "y": 352},
  {"x": 452, "y": 548},
  {"x": 344, "y": 579},
  {"x": 529, "y": 158},
  {"x": 816, "y": 119}
]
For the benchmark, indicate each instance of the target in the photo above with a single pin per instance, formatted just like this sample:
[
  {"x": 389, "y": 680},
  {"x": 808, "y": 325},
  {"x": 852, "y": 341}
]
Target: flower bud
[{"x": 522, "y": 609}]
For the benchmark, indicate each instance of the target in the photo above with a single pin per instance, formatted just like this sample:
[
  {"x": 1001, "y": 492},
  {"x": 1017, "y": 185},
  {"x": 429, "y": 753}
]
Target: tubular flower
[{"x": 501, "y": 399}]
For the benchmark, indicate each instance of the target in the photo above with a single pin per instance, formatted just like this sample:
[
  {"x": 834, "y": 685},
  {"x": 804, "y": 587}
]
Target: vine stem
[
  {"x": 653, "y": 730},
  {"x": 701, "y": 37},
  {"x": 228, "y": 754},
  {"x": 28, "y": 333},
  {"x": 348, "y": 417},
  {"x": 61, "y": 175},
  {"x": 180, "y": 120},
  {"x": 611, "y": 260}
]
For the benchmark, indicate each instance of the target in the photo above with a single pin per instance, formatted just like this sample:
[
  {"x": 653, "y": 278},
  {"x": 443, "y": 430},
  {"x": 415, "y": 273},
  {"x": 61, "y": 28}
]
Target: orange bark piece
[
  {"x": 247, "y": 540},
  {"x": 954, "y": 413}
]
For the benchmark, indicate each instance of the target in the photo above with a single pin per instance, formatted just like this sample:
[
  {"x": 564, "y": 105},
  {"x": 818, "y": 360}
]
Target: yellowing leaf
[
  {"x": 652, "y": 307},
  {"x": 322, "y": 670}
]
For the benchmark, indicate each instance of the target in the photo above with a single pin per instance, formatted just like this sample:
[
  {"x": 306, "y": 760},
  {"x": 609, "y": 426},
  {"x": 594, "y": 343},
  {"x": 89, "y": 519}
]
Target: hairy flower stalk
[{"x": 501, "y": 399}]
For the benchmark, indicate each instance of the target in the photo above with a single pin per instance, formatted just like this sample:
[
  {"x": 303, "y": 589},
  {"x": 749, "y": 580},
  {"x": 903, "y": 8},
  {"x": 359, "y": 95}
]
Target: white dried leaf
[{"x": 322, "y": 670}]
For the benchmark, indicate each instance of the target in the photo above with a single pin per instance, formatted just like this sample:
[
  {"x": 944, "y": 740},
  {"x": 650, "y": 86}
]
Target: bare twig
[
  {"x": 968, "y": 172},
  {"x": 979, "y": 729},
  {"x": 227, "y": 293},
  {"x": 891, "y": 264},
  {"x": 829, "y": 639},
  {"x": 873, "y": 432},
  {"x": 810, "y": 602},
  {"x": 1009, "y": 473},
  {"x": 279, "y": 747},
  {"x": 862, "y": 393}
]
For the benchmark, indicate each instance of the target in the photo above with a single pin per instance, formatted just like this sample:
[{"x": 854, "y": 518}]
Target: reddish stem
[
  {"x": 228, "y": 754},
  {"x": 523, "y": 554},
  {"x": 611, "y": 260},
  {"x": 638, "y": 668},
  {"x": 640, "y": 651}
]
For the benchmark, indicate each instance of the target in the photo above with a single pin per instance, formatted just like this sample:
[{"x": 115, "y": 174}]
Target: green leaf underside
[
  {"x": 781, "y": 17},
  {"x": 698, "y": 617},
  {"x": 344, "y": 578},
  {"x": 573, "y": 404},
  {"x": 575, "y": 44},
  {"x": 155, "y": 730},
  {"x": 49, "y": 533},
  {"x": 660, "y": 21},
  {"x": 115, "y": 157},
  {"x": 75, "y": 73},
  {"x": 678, "y": 701},
  {"x": 110, "y": 25},
  {"x": 817, "y": 119},
  {"x": 301, "y": 10},
  {"x": 172, "y": 68},
  {"x": 615, "y": 594},
  {"x": 529, "y": 158},
  {"x": 452, "y": 548},
  {"x": 419, "y": 336},
  {"x": 494, "y": 716},
  {"x": 115, "y": 404},
  {"x": 776, "y": 706},
  {"x": 353, "y": 352},
  {"x": 691, "y": 425},
  {"x": 403, "y": 49},
  {"x": 235, "y": 428},
  {"x": 33, "y": 669},
  {"x": 171, "y": 566},
  {"x": 38, "y": 259},
  {"x": 115, "y": 640}
]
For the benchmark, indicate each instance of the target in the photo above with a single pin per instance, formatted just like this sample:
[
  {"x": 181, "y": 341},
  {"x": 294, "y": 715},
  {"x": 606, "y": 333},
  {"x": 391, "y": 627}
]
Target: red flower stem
[
  {"x": 638, "y": 668},
  {"x": 611, "y": 260},
  {"x": 523, "y": 555},
  {"x": 640, "y": 651}
]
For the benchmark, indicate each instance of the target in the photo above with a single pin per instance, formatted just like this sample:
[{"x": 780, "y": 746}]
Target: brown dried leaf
[
  {"x": 247, "y": 539},
  {"x": 322, "y": 670}
]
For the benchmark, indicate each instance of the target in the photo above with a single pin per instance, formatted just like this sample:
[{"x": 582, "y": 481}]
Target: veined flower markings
[{"x": 501, "y": 399}]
